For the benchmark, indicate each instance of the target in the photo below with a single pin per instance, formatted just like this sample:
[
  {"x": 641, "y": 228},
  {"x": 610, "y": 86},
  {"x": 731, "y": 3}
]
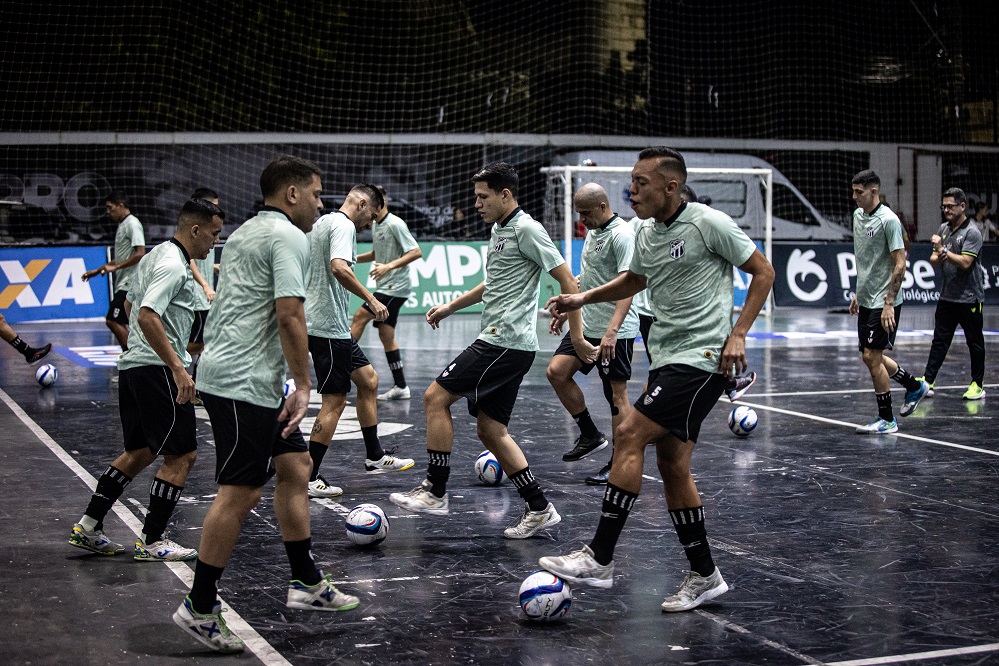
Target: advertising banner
[{"x": 45, "y": 283}]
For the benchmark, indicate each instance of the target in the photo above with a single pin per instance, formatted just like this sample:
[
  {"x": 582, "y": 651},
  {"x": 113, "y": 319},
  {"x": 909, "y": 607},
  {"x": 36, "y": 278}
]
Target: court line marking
[
  {"x": 960, "y": 387},
  {"x": 918, "y": 656},
  {"x": 823, "y": 419},
  {"x": 253, "y": 641},
  {"x": 739, "y": 629}
]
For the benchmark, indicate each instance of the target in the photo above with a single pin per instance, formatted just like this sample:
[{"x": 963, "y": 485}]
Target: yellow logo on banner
[{"x": 20, "y": 282}]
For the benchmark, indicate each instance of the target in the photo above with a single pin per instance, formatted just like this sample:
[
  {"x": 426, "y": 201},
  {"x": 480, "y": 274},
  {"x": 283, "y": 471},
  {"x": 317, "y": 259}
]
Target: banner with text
[{"x": 45, "y": 283}]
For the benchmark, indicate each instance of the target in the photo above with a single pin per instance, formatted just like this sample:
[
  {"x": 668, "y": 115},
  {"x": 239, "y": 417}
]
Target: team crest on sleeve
[
  {"x": 676, "y": 248},
  {"x": 500, "y": 244}
]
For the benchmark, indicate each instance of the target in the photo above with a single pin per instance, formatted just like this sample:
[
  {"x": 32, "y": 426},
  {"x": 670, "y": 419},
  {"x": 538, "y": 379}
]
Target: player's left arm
[
  {"x": 608, "y": 344},
  {"x": 567, "y": 282},
  {"x": 138, "y": 252},
  {"x": 733, "y": 358},
  {"x": 156, "y": 335},
  {"x": 897, "y": 275},
  {"x": 294, "y": 337}
]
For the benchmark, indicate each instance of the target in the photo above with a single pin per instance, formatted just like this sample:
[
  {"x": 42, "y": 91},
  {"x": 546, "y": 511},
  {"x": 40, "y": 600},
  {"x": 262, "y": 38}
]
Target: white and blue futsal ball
[
  {"x": 742, "y": 421},
  {"x": 289, "y": 387},
  {"x": 544, "y": 597},
  {"x": 488, "y": 469},
  {"x": 46, "y": 375},
  {"x": 367, "y": 525}
]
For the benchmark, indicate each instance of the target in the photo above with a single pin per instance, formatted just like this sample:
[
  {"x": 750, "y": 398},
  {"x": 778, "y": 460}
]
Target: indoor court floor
[{"x": 840, "y": 549}]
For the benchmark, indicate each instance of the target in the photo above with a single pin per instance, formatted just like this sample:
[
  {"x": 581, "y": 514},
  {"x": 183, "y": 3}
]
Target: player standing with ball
[{"x": 684, "y": 257}]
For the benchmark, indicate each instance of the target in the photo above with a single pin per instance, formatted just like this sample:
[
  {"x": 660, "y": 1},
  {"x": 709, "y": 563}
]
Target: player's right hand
[
  {"x": 854, "y": 308},
  {"x": 378, "y": 309},
  {"x": 185, "y": 386},
  {"x": 295, "y": 406},
  {"x": 437, "y": 313},
  {"x": 564, "y": 303}
]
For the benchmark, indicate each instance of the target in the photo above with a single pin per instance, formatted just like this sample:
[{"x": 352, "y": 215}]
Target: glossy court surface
[{"x": 839, "y": 548}]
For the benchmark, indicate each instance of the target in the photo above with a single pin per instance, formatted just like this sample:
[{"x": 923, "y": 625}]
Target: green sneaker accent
[{"x": 974, "y": 392}]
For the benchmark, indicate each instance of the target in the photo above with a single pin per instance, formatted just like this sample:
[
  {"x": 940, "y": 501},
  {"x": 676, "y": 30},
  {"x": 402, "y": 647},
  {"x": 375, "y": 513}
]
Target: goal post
[{"x": 563, "y": 181}]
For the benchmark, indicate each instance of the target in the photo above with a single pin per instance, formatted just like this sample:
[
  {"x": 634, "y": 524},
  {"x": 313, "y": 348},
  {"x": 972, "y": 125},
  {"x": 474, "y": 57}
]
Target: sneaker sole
[
  {"x": 381, "y": 399},
  {"x": 707, "y": 596},
  {"x": 152, "y": 558},
  {"x": 544, "y": 525},
  {"x": 94, "y": 550},
  {"x": 977, "y": 397},
  {"x": 568, "y": 458},
  {"x": 381, "y": 470},
  {"x": 433, "y": 512},
  {"x": 602, "y": 583},
  {"x": 324, "y": 495},
  {"x": 295, "y": 605},
  {"x": 182, "y": 623}
]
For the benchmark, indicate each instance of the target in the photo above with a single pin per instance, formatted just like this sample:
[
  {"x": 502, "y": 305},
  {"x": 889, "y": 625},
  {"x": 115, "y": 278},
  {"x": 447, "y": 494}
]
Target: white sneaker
[
  {"x": 695, "y": 590},
  {"x": 580, "y": 568},
  {"x": 395, "y": 393},
  {"x": 319, "y": 488},
  {"x": 322, "y": 596},
  {"x": 95, "y": 542},
  {"x": 386, "y": 464},
  {"x": 163, "y": 550},
  {"x": 533, "y": 522},
  {"x": 209, "y": 629},
  {"x": 421, "y": 500},
  {"x": 878, "y": 427}
]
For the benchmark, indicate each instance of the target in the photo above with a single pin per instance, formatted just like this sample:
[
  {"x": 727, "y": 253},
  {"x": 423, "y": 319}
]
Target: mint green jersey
[
  {"x": 207, "y": 268},
  {"x": 688, "y": 265},
  {"x": 327, "y": 303},
  {"x": 129, "y": 235},
  {"x": 875, "y": 237},
  {"x": 164, "y": 284},
  {"x": 606, "y": 253},
  {"x": 267, "y": 258},
  {"x": 640, "y": 301},
  {"x": 519, "y": 249},
  {"x": 390, "y": 239}
]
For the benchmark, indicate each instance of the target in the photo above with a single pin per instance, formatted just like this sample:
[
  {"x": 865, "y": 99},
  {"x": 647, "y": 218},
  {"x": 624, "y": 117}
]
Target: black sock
[
  {"x": 394, "y": 358},
  {"x": 20, "y": 345},
  {"x": 884, "y": 406},
  {"x": 109, "y": 488},
  {"x": 617, "y": 505},
  {"x": 205, "y": 589},
  {"x": 303, "y": 567},
  {"x": 529, "y": 489},
  {"x": 586, "y": 426},
  {"x": 317, "y": 451},
  {"x": 905, "y": 379},
  {"x": 373, "y": 450},
  {"x": 163, "y": 498},
  {"x": 689, "y": 525},
  {"x": 438, "y": 471}
]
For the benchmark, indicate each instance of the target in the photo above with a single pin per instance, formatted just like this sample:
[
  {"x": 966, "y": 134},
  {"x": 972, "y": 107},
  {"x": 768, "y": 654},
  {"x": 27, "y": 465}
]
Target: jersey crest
[
  {"x": 676, "y": 248},
  {"x": 500, "y": 244}
]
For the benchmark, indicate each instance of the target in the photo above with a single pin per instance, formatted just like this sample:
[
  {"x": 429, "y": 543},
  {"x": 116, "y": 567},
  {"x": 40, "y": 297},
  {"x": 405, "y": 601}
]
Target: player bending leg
[
  {"x": 155, "y": 391},
  {"x": 489, "y": 372}
]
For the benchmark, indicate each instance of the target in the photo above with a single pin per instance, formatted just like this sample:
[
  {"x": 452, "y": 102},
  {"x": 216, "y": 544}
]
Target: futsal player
[
  {"x": 337, "y": 357},
  {"x": 489, "y": 372},
  {"x": 880, "y": 253},
  {"x": 31, "y": 354},
  {"x": 203, "y": 271},
  {"x": 392, "y": 249},
  {"x": 684, "y": 254},
  {"x": 611, "y": 327},
  {"x": 155, "y": 393},
  {"x": 257, "y": 326}
]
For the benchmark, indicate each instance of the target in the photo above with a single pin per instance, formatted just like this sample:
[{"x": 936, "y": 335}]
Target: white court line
[
  {"x": 822, "y": 419},
  {"x": 253, "y": 641},
  {"x": 917, "y": 656},
  {"x": 754, "y": 394}
]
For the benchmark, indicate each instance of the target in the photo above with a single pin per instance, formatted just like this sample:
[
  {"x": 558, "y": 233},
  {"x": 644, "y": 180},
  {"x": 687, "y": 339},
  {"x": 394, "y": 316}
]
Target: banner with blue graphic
[{"x": 45, "y": 283}]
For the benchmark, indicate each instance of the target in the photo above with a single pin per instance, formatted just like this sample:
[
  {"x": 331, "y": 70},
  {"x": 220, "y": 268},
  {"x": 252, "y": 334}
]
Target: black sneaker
[
  {"x": 35, "y": 355},
  {"x": 584, "y": 447},
  {"x": 600, "y": 478}
]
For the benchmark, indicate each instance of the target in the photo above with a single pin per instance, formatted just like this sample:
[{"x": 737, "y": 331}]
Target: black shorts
[
  {"x": 150, "y": 415},
  {"x": 618, "y": 369},
  {"x": 393, "y": 303},
  {"x": 247, "y": 437},
  {"x": 872, "y": 334},
  {"x": 489, "y": 377},
  {"x": 679, "y": 398},
  {"x": 198, "y": 327},
  {"x": 116, "y": 311},
  {"x": 645, "y": 326},
  {"x": 334, "y": 361}
]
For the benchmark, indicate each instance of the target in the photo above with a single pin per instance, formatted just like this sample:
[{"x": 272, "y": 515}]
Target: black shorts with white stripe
[
  {"x": 150, "y": 415},
  {"x": 488, "y": 377},
  {"x": 679, "y": 397}
]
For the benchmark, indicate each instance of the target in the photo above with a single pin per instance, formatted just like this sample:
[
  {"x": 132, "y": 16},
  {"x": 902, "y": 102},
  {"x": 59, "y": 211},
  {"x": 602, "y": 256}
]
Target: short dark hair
[
  {"x": 669, "y": 160},
  {"x": 866, "y": 178},
  {"x": 199, "y": 211},
  {"x": 687, "y": 193},
  {"x": 499, "y": 176},
  {"x": 116, "y": 197},
  {"x": 287, "y": 170},
  {"x": 370, "y": 193},
  {"x": 205, "y": 193},
  {"x": 957, "y": 194}
]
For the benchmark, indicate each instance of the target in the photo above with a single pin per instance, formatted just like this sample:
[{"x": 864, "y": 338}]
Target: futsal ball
[
  {"x": 46, "y": 375},
  {"x": 367, "y": 525},
  {"x": 742, "y": 421},
  {"x": 289, "y": 387},
  {"x": 488, "y": 469},
  {"x": 544, "y": 597}
]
